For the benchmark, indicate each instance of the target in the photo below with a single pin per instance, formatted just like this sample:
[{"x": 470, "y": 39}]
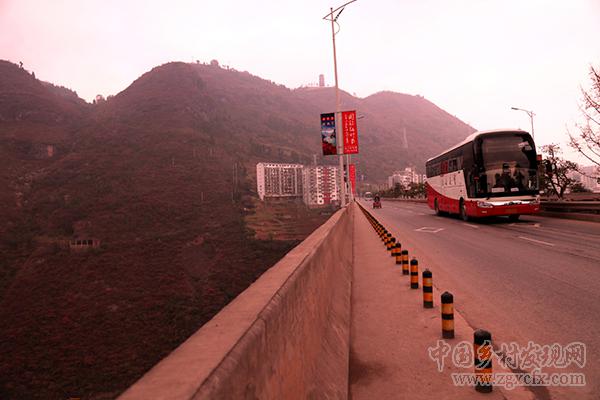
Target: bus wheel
[
  {"x": 514, "y": 217},
  {"x": 463, "y": 211},
  {"x": 436, "y": 207}
]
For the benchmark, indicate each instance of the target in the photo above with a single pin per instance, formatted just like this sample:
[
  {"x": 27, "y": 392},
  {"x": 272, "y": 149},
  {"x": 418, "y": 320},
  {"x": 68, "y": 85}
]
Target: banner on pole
[
  {"x": 350, "y": 132},
  {"x": 328, "y": 137},
  {"x": 352, "y": 171}
]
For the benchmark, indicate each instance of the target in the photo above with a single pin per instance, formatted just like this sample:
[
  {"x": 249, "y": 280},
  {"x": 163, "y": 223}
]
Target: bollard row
[{"x": 482, "y": 340}]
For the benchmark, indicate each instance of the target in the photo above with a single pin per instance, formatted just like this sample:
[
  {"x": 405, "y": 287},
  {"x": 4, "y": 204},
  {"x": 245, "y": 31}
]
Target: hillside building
[
  {"x": 276, "y": 180},
  {"x": 405, "y": 178},
  {"x": 321, "y": 185},
  {"x": 588, "y": 178}
]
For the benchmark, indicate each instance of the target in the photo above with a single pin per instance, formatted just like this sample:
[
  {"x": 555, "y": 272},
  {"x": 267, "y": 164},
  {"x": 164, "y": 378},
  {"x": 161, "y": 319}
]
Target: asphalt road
[{"x": 534, "y": 280}]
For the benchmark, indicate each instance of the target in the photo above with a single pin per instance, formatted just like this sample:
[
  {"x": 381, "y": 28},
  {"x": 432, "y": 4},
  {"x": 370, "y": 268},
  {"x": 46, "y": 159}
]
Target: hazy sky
[{"x": 473, "y": 58}]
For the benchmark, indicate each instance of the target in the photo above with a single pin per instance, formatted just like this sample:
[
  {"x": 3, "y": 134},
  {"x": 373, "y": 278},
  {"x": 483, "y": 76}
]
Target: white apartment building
[
  {"x": 321, "y": 185},
  {"x": 405, "y": 178},
  {"x": 279, "y": 180},
  {"x": 588, "y": 178}
]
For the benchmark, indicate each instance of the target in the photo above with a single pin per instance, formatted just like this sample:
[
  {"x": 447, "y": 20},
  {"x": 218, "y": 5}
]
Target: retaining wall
[{"x": 286, "y": 336}]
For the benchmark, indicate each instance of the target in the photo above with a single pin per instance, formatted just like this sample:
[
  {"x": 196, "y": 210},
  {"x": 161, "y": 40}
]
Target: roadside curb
[
  {"x": 464, "y": 330},
  {"x": 573, "y": 216}
]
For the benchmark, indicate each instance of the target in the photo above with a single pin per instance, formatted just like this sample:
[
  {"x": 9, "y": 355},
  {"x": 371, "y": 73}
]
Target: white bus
[{"x": 490, "y": 173}]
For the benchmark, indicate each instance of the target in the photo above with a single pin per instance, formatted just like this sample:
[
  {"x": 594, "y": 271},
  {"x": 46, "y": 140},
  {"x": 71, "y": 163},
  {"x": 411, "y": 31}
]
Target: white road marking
[
  {"x": 537, "y": 241},
  {"x": 472, "y": 226},
  {"x": 421, "y": 214},
  {"x": 429, "y": 229},
  {"x": 535, "y": 225}
]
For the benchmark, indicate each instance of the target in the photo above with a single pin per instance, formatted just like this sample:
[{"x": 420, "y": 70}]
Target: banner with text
[
  {"x": 328, "y": 139},
  {"x": 353, "y": 177},
  {"x": 350, "y": 132}
]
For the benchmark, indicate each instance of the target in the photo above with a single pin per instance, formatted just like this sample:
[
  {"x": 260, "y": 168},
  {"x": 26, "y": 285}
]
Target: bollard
[
  {"x": 414, "y": 274},
  {"x": 404, "y": 262},
  {"x": 398, "y": 253},
  {"x": 427, "y": 289},
  {"x": 482, "y": 349},
  {"x": 394, "y": 250},
  {"x": 447, "y": 315},
  {"x": 391, "y": 243}
]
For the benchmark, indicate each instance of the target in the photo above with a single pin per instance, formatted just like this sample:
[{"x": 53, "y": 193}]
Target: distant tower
[
  {"x": 405, "y": 139},
  {"x": 321, "y": 80}
]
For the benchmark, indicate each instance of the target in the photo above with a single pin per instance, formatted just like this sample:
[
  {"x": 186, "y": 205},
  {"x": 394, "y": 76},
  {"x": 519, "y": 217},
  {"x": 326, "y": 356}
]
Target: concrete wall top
[{"x": 297, "y": 312}]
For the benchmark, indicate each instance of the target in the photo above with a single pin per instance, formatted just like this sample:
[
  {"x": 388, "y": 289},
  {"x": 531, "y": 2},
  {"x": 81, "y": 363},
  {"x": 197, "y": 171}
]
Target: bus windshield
[{"x": 509, "y": 165}]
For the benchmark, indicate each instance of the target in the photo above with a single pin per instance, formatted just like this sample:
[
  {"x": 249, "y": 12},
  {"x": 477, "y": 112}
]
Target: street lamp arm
[
  {"x": 329, "y": 16},
  {"x": 530, "y": 113}
]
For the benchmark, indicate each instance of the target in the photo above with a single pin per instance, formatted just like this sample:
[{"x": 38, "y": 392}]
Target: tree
[
  {"x": 587, "y": 142},
  {"x": 416, "y": 190},
  {"x": 558, "y": 171},
  {"x": 578, "y": 187}
]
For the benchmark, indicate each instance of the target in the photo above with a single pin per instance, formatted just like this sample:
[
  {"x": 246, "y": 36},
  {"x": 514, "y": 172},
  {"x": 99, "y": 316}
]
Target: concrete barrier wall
[{"x": 286, "y": 336}]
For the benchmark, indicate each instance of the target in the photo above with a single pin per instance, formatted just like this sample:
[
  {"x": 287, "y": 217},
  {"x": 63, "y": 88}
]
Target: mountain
[
  {"x": 162, "y": 175},
  {"x": 384, "y": 117}
]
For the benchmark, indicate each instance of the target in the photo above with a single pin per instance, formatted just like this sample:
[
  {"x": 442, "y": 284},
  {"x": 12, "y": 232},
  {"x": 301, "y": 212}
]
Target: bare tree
[
  {"x": 558, "y": 171},
  {"x": 587, "y": 142}
]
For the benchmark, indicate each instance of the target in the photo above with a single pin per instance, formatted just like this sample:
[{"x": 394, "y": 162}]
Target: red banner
[
  {"x": 350, "y": 132},
  {"x": 352, "y": 171}
]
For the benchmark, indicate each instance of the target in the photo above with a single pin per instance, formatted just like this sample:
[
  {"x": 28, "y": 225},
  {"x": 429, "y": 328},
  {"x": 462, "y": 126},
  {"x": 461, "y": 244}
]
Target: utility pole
[{"x": 339, "y": 138}]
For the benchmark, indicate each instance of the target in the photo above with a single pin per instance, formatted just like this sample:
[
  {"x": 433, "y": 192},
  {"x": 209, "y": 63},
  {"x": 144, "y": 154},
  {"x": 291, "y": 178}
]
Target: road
[{"x": 534, "y": 280}]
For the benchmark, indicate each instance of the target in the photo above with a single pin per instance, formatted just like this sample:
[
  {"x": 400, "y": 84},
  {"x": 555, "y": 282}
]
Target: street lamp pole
[
  {"x": 531, "y": 114},
  {"x": 339, "y": 139}
]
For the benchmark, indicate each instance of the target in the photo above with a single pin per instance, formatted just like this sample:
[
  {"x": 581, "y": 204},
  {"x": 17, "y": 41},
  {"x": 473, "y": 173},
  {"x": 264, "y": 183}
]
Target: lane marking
[
  {"x": 537, "y": 241},
  {"x": 429, "y": 229},
  {"x": 472, "y": 226}
]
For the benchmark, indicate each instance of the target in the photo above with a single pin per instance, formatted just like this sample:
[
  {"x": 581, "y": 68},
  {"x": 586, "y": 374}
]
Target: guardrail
[
  {"x": 548, "y": 206},
  {"x": 587, "y": 207}
]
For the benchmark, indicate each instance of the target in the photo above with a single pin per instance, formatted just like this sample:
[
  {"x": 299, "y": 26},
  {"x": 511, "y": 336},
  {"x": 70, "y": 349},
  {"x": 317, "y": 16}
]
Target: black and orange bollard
[
  {"x": 447, "y": 315},
  {"x": 414, "y": 274},
  {"x": 427, "y": 289},
  {"x": 393, "y": 250},
  {"x": 482, "y": 349},
  {"x": 398, "y": 253},
  {"x": 391, "y": 243},
  {"x": 404, "y": 262}
]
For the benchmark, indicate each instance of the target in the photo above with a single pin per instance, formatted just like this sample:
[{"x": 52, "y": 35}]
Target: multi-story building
[
  {"x": 405, "y": 178},
  {"x": 279, "y": 180},
  {"x": 588, "y": 178},
  {"x": 321, "y": 185}
]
